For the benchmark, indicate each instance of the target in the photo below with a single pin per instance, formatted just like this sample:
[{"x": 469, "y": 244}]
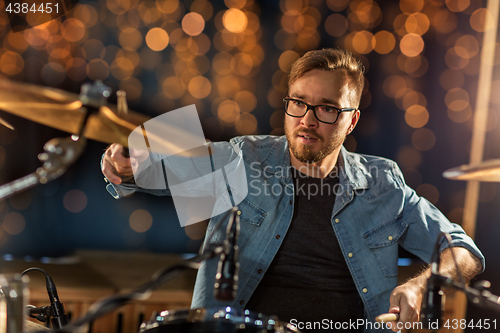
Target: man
[{"x": 323, "y": 243}]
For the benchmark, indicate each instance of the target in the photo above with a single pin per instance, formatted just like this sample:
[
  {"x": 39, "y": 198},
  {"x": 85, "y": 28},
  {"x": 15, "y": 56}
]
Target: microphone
[
  {"x": 226, "y": 279},
  {"x": 431, "y": 315},
  {"x": 59, "y": 317}
]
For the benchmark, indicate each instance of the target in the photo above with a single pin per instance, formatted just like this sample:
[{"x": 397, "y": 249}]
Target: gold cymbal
[
  {"x": 61, "y": 110},
  {"x": 64, "y": 111},
  {"x": 487, "y": 171}
]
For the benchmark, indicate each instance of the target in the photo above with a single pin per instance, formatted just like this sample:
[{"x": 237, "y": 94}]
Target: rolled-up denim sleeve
[
  {"x": 129, "y": 187},
  {"x": 425, "y": 223}
]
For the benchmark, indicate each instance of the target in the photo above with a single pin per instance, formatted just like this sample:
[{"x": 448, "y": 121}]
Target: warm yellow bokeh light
[
  {"x": 411, "y": 6},
  {"x": 457, "y": 99},
  {"x": 336, "y": 25},
  {"x": 411, "y": 45},
  {"x": 220, "y": 63},
  {"x": 467, "y": 46},
  {"x": 292, "y": 7},
  {"x": 362, "y": 42},
  {"x": 246, "y": 100},
  {"x": 457, "y": 5},
  {"x": 417, "y": 23},
  {"x": 481, "y": 20},
  {"x": 130, "y": 39},
  {"x": 167, "y": 6},
  {"x": 72, "y": 30},
  {"x": 193, "y": 24},
  {"x": 394, "y": 86},
  {"x": 286, "y": 60},
  {"x": 241, "y": 64},
  {"x": 122, "y": 68},
  {"x": 246, "y": 124},
  {"x": 454, "y": 60},
  {"x": 383, "y": 42},
  {"x": 337, "y": 5},
  {"x": 228, "y": 111},
  {"x": 413, "y": 98},
  {"x": 199, "y": 87},
  {"x": 173, "y": 87},
  {"x": 235, "y": 20},
  {"x": 11, "y": 63},
  {"x": 417, "y": 116},
  {"x": 460, "y": 116},
  {"x": 157, "y": 39},
  {"x": 98, "y": 69}
]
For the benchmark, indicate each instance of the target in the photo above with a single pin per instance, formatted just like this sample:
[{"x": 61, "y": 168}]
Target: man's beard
[{"x": 305, "y": 153}]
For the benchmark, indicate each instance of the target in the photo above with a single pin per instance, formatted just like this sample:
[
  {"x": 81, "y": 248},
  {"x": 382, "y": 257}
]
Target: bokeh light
[
  {"x": 193, "y": 24},
  {"x": 140, "y": 220},
  {"x": 157, "y": 39},
  {"x": 428, "y": 191},
  {"x": 13, "y": 223},
  {"x": 423, "y": 139},
  {"x": 481, "y": 20},
  {"x": 75, "y": 201},
  {"x": 411, "y": 45},
  {"x": 235, "y": 20}
]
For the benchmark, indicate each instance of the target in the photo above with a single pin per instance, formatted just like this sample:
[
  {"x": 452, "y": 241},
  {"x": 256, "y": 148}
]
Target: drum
[{"x": 226, "y": 320}]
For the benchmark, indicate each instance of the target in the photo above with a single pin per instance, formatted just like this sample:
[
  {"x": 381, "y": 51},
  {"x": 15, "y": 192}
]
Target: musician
[{"x": 324, "y": 247}]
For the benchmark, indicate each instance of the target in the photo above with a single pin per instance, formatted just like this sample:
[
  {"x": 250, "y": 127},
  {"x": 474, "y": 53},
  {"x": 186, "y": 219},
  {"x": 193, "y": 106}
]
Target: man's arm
[{"x": 406, "y": 299}]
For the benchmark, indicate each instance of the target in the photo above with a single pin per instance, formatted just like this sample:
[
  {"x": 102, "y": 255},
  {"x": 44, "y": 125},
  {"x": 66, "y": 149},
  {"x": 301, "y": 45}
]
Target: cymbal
[
  {"x": 60, "y": 110},
  {"x": 64, "y": 111},
  {"x": 487, "y": 171}
]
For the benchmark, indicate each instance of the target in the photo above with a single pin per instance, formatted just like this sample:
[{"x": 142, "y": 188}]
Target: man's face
[{"x": 309, "y": 139}]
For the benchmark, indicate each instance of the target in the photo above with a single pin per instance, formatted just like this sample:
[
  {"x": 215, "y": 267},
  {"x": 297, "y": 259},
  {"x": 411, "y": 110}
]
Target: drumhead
[{"x": 227, "y": 320}]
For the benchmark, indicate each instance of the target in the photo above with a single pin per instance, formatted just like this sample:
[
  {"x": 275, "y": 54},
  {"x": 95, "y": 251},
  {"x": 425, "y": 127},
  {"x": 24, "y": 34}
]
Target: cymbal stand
[{"x": 60, "y": 153}]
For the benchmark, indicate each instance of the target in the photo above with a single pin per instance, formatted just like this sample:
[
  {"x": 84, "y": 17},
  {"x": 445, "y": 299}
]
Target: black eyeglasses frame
[{"x": 286, "y": 100}]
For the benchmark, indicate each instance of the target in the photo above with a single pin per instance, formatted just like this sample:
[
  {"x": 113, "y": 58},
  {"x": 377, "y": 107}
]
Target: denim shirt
[{"x": 374, "y": 212}]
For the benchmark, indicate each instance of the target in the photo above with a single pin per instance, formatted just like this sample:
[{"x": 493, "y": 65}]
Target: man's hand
[
  {"x": 406, "y": 301},
  {"x": 115, "y": 165}
]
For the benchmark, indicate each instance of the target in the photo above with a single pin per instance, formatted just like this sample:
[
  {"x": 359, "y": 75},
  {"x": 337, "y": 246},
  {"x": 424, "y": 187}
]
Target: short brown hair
[{"x": 329, "y": 60}]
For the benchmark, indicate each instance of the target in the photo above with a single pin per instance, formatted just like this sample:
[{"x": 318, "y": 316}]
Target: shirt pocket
[
  {"x": 383, "y": 240},
  {"x": 251, "y": 213}
]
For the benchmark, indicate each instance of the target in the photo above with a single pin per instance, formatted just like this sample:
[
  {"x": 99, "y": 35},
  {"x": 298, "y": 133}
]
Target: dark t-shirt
[{"x": 308, "y": 280}]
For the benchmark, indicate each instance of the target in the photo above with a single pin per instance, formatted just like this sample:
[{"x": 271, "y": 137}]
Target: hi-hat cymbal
[
  {"x": 487, "y": 171},
  {"x": 64, "y": 111}
]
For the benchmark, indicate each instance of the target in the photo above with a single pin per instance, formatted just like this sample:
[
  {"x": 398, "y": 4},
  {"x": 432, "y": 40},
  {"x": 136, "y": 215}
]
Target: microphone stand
[
  {"x": 59, "y": 154},
  {"x": 162, "y": 276},
  {"x": 479, "y": 296}
]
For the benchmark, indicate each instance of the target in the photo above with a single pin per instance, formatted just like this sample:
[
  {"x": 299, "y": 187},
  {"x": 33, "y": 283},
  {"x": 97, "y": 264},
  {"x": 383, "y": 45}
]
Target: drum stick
[{"x": 387, "y": 317}]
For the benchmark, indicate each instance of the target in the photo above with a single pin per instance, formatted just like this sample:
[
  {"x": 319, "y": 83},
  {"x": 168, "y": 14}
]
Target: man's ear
[{"x": 354, "y": 121}]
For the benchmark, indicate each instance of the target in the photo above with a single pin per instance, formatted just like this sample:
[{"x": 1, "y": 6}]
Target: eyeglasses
[{"x": 324, "y": 113}]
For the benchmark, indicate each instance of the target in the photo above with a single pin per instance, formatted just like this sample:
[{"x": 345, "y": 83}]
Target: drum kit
[{"x": 89, "y": 116}]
